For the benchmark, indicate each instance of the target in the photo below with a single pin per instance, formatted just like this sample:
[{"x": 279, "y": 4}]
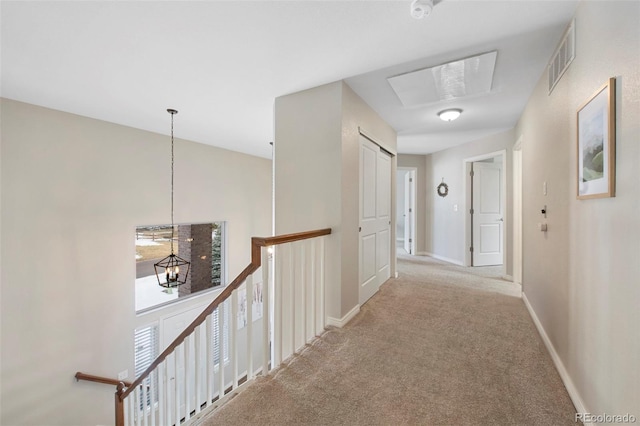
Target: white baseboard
[
  {"x": 445, "y": 259},
  {"x": 564, "y": 375},
  {"x": 345, "y": 319},
  {"x": 422, "y": 253}
]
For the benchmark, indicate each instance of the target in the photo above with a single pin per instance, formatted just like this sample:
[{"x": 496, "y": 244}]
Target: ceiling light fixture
[
  {"x": 170, "y": 265},
  {"x": 449, "y": 114},
  {"x": 421, "y": 8}
]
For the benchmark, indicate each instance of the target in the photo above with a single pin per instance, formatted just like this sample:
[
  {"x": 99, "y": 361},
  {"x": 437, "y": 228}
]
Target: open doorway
[
  {"x": 406, "y": 210},
  {"x": 485, "y": 188}
]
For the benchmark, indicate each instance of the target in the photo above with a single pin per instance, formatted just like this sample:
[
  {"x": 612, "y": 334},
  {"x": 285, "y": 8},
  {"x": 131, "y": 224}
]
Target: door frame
[
  {"x": 466, "y": 189},
  {"x": 414, "y": 206}
]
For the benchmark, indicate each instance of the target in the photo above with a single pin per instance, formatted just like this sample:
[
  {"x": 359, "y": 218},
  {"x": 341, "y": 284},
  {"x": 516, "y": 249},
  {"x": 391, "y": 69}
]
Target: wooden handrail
[
  {"x": 91, "y": 378},
  {"x": 256, "y": 260}
]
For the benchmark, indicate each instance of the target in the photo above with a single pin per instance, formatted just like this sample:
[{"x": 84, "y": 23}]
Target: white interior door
[
  {"x": 488, "y": 218},
  {"x": 375, "y": 218},
  {"x": 409, "y": 211}
]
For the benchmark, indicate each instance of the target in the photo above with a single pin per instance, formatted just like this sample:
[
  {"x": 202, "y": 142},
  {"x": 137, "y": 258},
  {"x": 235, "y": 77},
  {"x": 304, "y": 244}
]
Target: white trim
[
  {"x": 335, "y": 322},
  {"x": 564, "y": 375},
  {"x": 516, "y": 215},
  {"x": 445, "y": 259}
]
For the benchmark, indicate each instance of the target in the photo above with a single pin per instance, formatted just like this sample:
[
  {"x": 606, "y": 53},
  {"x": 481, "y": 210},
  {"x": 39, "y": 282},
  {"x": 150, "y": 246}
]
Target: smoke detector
[{"x": 421, "y": 8}]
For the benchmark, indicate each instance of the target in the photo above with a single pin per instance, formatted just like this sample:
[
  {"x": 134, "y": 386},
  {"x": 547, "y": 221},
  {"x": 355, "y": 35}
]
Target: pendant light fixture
[{"x": 172, "y": 268}]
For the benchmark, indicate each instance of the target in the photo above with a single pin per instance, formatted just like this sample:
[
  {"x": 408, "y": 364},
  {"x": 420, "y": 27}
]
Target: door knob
[{"x": 500, "y": 220}]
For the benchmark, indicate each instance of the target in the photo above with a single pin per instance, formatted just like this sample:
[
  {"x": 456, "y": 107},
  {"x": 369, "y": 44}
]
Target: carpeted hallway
[{"x": 440, "y": 345}]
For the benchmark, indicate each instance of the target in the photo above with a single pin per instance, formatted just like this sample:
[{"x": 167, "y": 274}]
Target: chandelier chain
[{"x": 172, "y": 227}]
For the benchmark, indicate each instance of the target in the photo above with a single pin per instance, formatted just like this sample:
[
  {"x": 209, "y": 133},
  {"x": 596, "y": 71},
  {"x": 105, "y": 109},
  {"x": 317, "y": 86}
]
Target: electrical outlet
[{"x": 123, "y": 375}]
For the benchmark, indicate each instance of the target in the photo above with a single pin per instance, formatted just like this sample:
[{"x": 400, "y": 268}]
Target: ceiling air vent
[{"x": 563, "y": 56}]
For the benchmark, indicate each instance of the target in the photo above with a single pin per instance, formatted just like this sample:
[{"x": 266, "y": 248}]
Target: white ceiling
[{"x": 222, "y": 63}]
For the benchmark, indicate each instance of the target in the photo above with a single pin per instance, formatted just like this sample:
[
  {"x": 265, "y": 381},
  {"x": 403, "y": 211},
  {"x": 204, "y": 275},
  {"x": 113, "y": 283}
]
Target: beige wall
[
  {"x": 317, "y": 186},
  {"x": 308, "y": 173},
  {"x": 73, "y": 190},
  {"x": 581, "y": 277},
  {"x": 446, "y": 227}
]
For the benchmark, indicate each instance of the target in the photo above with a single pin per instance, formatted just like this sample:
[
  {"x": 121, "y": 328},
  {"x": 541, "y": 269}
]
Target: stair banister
[{"x": 257, "y": 243}]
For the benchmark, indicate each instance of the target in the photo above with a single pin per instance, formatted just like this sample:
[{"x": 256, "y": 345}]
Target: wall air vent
[{"x": 563, "y": 56}]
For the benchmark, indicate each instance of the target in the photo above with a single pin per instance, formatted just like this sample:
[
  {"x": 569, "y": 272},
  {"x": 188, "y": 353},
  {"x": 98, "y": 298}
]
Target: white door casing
[
  {"x": 409, "y": 211},
  {"x": 488, "y": 215},
  {"x": 375, "y": 218}
]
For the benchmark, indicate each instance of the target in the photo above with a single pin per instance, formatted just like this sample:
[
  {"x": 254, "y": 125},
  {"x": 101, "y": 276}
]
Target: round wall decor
[{"x": 443, "y": 189}]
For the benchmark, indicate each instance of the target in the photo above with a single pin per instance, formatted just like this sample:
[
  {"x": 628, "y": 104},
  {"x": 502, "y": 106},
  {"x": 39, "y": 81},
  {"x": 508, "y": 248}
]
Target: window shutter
[
  {"x": 146, "y": 347},
  {"x": 216, "y": 338}
]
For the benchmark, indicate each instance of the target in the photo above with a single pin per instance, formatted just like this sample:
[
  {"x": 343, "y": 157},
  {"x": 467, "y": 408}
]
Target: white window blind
[
  {"x": 146, "y": 350},
  {"x": 146, "y": 347},
  {"x": 225, "y": 332}
]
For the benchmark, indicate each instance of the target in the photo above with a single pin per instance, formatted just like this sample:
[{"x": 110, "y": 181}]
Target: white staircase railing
[{"x": 269, "y": 312}]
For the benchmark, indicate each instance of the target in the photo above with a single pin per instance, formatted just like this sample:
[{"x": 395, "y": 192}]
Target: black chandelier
[{"x": 171, "y": 265}]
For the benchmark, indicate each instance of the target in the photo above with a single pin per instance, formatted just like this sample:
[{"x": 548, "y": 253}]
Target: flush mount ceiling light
[
  {"x": 170, "y": 265},
  {"x": 421, "y": 8},
  {"x": 449, "y": 114}
]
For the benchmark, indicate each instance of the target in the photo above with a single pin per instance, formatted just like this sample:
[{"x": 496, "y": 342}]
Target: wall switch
[
  {"x": 542, "y": 227},
  {"x": 123, "y": 375},
  {"x": 455, "y": 207}
]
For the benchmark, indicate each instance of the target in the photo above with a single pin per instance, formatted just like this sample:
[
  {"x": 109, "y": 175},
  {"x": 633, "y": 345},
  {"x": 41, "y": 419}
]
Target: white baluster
[
  {"x": 249, "y": 327},
  {"x": 292, "y": 300},
  {"x": 127, "y": 410},
  {"x": 198, "y": 373},
  {"x": 221, "y": 323},
  {"x": 162, "y": 378},
  {"x": 176, "y": 382},
  {"x": 152, "y": 391},
  {"x": 312, "y": 287},
  {"x": 188, "y": 383},
  {"x": 322, "y": 292},
  {"x": 133, "y": 409},
  {"x": 233, "y": 343},
  {"x": 138, "y": 405},
  {"x": 278, "y": 298},
  {"x": 265, "y": 311},
  {"x": 209, "y": 367},
  {"x": 145, "y": 399},
  {"x": 169, "y": 386},
  {"x": 303, "y": 290}
]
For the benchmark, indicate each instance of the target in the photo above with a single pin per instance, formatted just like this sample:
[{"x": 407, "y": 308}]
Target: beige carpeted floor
[{"x": 440, "y": 345}]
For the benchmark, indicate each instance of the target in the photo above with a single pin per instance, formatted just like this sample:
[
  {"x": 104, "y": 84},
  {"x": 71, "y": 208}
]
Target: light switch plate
[{"x": 123, "y": 375}]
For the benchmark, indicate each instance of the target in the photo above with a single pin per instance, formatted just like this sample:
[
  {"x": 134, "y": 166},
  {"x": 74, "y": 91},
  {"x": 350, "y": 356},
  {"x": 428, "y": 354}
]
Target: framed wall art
[{"x": 597, "y": 144}]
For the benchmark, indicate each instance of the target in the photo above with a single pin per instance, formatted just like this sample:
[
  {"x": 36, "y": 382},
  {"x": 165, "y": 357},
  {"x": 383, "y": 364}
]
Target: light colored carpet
[{"x": 440, "y": 345}]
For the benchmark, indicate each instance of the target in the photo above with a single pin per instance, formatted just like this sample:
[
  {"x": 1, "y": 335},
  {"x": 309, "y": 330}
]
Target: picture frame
[{"x": 596, "y": 144}]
